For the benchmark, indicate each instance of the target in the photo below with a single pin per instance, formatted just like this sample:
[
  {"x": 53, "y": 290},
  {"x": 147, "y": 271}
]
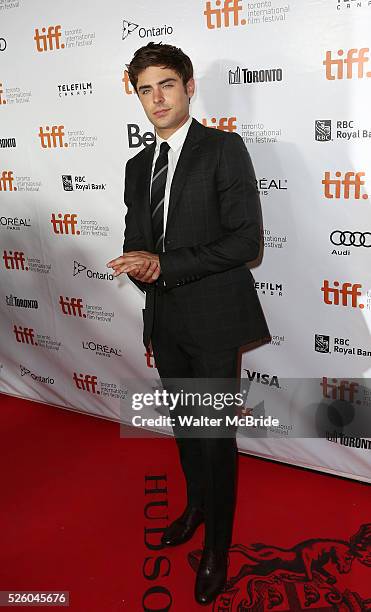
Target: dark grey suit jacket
[{"x": 213, "y": 228}]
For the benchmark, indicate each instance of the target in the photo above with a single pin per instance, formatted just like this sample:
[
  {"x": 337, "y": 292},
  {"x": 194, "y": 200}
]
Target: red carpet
[{"x": 73, "y": 517}]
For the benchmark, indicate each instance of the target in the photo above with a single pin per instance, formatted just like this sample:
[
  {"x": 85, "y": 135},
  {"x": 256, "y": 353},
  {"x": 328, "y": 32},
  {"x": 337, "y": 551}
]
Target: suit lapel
[
  {"x": 186, "y": 158},
  {"x": 143, "y": 193}
]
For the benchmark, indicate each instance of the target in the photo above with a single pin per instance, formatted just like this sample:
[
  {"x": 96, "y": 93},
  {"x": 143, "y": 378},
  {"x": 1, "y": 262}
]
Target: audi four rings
[{"x": 347, "y": 238}]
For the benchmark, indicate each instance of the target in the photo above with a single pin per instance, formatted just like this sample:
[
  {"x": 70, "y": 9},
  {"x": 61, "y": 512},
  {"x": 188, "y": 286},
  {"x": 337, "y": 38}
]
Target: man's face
[{"x": 164, "y": 99}]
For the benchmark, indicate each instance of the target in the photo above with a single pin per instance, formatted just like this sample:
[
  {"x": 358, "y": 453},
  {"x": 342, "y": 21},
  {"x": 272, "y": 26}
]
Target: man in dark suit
[{"x": 192, "y": 224}]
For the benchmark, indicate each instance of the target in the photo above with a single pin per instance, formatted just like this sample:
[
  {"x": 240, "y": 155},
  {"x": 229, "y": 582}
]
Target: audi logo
[
  {"x": 2, "y": 44},
  {"x": 357, "y": 239}
]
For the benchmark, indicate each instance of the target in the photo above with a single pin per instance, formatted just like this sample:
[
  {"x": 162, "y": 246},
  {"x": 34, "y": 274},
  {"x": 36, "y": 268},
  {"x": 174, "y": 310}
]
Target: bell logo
[
  {"x": 6, "y": 181},
  {"x": 226, "y": 124},
  {"x": 65, "y": 224},
  {"x": 51, "y": 138},
  {"x": 335, "y": 68},
  {"x": 2, "y": 99},
  {"x": 126, "y": 82},
  {"x": 72, "y": 307},
  {"x": 337, "y": 296},
  {"x": 223, "y": 17},
  {"x": 349, "y": 186},
  {"x": 48, "y": 38},
  {"x": 24, "y": 335},
  {"x": 14, "y": 260},
  {"x": 86, "y": 382}
]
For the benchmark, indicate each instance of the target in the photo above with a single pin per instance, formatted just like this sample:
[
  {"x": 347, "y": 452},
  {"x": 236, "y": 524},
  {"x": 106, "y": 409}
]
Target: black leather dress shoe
[
  {"x": 211, "y": 575},
  {"x": 183, "y": 528}
]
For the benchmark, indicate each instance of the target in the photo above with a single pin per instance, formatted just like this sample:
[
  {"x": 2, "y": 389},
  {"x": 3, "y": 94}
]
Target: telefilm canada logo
[
  {"x": 339, "y": 346},
  {"x": 269, "y": 288},
  {"x": 246, "y": 76},
  {"x": 344, "y": 130},
  {"x": 75, "y": 89},
  {"x": 79, "y": 268},
  {"x": 346, "y": 5},
  {"x": 130, "y": 27}
]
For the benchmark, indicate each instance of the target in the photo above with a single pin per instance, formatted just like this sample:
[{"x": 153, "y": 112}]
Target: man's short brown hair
[{"x": 157, "y": 54}]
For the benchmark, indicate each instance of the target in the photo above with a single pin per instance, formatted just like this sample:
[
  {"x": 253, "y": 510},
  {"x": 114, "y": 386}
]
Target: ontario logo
[
  {"x": 351, "y": 64},
  {"x": 225, "y": 124},
  {"x": 129, "y": 27},
  {"x": 78, "y": 268},
  {"x": 46, "y": 380}
]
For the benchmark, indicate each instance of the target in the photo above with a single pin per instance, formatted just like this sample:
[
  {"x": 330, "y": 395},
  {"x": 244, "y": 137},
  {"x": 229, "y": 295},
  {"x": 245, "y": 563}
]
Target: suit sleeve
[
  {"x": 239, "y": 209},
  {"x": 133, "y": 239}
]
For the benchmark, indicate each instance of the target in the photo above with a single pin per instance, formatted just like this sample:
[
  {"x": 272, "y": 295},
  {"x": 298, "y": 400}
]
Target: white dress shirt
[{"x": 175, "y": 143}]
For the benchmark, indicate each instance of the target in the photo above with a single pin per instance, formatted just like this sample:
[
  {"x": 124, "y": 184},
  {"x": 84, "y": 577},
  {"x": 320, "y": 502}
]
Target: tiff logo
[
  {"x": 52, "y": 139},
  {"x": 14, "y": 260},
  {"x": 332, "y": 295},
  {"x": 2, "y": 99},
  {"x": 352, "y": 182},
  {"x": 86, "y": 382},
  {"x": 46, "y": 40},
  {"x": 72, "y": 307},
  {"x": 126, "y": 83},
  {"x": 339, "y": 390},
  {"x": 65, "y": 224},
  {"x": 335, "y": 68},
  {"x": 226, "y": 124},
  {"x": 6, "y": 181},
  {"x": 24, "y": 335},
  {"x": 150, "y": 360},
  {"x": 221, "y": 17}
]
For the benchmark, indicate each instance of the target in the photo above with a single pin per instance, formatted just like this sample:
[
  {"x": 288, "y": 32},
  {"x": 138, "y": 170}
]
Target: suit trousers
[{"x": 209, "y": 463}]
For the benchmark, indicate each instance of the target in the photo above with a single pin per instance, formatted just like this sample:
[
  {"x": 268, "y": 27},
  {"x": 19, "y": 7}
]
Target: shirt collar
[{"x": 177, "y": 139}]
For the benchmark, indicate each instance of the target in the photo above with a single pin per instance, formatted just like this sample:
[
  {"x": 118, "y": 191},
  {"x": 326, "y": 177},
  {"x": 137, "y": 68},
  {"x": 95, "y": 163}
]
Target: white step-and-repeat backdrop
[{"x": 294, "y": 80}]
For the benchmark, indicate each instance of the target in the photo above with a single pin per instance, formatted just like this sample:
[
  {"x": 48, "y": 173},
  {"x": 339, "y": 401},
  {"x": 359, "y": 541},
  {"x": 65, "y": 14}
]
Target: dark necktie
[{"x": 158, "y": 197}]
